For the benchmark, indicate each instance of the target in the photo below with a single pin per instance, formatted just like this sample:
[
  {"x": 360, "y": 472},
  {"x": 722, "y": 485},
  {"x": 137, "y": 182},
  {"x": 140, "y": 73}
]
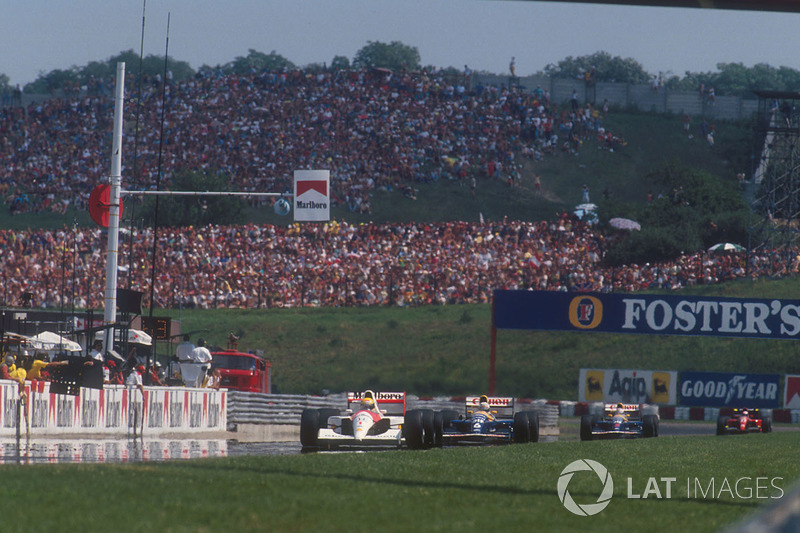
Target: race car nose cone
[{"x": 359, "y": 433}]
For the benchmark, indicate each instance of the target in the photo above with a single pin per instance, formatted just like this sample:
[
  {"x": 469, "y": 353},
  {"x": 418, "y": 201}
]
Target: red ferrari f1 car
[{"x": 744, "y": 421}]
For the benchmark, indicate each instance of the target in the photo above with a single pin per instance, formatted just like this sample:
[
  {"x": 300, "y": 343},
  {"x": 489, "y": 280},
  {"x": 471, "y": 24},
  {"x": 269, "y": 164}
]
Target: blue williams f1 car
[
  {"x": 487, "y": 420},
  {"x": 620, "y": 421}
]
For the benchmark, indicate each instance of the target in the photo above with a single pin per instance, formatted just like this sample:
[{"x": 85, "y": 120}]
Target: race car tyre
[
  {"x": 722, "y": 422},
  {"x": 442, "y": 420},
  {"x": 309, "y": 427},
  {"x": 413, "y": 430},
  {"x": 586, "y": 427},
  {"x": 438, "y": 428},
  {"x": 522, "y": 428},
  {"x": 448, "y": 415},
  {"x": 649, "y": 426},
  {"x": 533, "y": 419},
  {"x": 766, "y": 424},
  {"x": 324, "y": 414},
  {"x": 427, "y": 427}
]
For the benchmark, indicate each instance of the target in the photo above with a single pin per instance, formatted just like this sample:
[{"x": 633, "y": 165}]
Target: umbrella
[
  {"x": 50, "y": 341},
  {"x": 586, "y": 213},
  {"x": 135, "y": 336},
  {"x": 726, "y": 247},
  {"x": 624, "y": 223}
]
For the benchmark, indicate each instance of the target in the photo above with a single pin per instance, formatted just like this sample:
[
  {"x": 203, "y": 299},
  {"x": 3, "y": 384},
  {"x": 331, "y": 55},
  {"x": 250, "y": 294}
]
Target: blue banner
[
  {"x": 718, "y": 389},
  {"x": 651, "y": 314}
]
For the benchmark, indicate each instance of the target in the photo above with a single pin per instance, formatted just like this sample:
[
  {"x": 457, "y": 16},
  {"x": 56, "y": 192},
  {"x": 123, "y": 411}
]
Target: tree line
[{"x": 730, "y": 79}]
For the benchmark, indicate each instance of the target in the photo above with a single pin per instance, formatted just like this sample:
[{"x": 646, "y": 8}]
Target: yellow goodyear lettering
[{"x": 585, "y": 312}]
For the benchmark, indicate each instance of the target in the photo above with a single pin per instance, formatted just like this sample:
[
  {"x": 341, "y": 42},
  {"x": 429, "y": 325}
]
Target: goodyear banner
[
  {"x": 650, "y": 314},
  {"x": 627, "y": 386},
  {"x": 724, "y": 389}
]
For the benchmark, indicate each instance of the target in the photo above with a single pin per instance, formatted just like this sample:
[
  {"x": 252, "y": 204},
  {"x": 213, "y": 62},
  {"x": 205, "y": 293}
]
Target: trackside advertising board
[
  {"x": 791, "y": 392},
  {"x": 649, "y": 314},
  {"x": 725, "y": 389},
  {"x": 312, "y": 195},
  {"x": 627, "y": 386}
]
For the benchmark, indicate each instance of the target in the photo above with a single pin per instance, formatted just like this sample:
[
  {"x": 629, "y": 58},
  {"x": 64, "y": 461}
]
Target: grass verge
[{"x": 505, "y": 488}]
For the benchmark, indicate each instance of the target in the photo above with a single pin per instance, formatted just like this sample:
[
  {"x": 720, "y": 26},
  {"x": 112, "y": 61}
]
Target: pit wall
[{"x": 116, "y": 410}]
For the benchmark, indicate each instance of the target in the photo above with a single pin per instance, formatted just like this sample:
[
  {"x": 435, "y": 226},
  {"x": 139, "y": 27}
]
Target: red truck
[{"x": 243, "y": 371}]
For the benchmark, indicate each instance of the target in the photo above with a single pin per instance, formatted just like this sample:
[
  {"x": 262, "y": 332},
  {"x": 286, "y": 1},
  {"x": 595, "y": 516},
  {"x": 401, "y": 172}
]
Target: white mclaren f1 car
[{"x": 370, "y": 419}]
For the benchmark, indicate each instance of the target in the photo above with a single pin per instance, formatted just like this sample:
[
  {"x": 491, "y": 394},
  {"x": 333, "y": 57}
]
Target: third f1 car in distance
[
  {"x": 487, "y": 420},
  {"x": 619, "y": 421},
  {"x": 744, "y": 421}
]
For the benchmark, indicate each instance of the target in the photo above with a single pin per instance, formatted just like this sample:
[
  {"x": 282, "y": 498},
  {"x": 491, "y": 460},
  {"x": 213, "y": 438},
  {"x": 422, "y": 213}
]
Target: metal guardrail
[{"x": 255, "y": 408}]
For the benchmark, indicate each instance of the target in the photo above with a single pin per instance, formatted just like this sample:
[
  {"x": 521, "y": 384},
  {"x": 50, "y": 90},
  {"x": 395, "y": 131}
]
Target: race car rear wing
[
  {"x": 500, "y": 406},
  {"x": 389, "y": 403},
  {"x": 631, "y": 409}
]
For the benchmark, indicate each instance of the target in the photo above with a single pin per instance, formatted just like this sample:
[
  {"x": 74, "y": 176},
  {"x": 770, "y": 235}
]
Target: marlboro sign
[{"x": 312, "y": 198}]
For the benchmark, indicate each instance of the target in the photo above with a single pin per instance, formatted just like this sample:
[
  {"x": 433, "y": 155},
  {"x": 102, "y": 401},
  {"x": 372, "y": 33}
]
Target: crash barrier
[
  {"x": 113, "y": 410},
  {"x": 255, "y": 408}
]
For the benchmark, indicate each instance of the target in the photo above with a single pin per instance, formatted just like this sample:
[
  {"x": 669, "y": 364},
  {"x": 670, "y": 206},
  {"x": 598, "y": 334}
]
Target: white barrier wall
[{"x": 115, "y": 410}]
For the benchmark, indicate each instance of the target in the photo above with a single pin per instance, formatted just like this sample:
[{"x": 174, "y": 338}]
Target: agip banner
[
  {"x": 627, "y": 386},
  {"x": 648, "y": 314}
]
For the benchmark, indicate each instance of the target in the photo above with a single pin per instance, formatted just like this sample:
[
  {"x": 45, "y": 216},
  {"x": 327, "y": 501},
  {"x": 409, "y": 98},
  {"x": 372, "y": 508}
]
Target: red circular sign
[{"x": 100, "y": 203}]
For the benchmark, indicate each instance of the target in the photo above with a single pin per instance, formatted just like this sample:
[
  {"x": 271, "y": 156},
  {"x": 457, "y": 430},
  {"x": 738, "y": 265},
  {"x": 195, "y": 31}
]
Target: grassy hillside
[
  {"x": 445, "y": 350},
  {"x": 652, "y": 140}
]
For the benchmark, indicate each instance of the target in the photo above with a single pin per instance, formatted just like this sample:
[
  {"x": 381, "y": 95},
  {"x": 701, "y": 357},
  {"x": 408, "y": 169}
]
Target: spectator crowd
[
  {"x": 372, "y": 129},
  {"x": 341, "y": 264}
]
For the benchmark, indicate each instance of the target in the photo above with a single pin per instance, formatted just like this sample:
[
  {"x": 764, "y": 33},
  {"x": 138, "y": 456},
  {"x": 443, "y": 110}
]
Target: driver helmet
[
  {"x": 620, "y": 409},
  {"x": 483, "y": 403},
  {"x": 9, "y": 360},
  {"x": 367, "y": 403},
  {"x": 745, "y": 412}
]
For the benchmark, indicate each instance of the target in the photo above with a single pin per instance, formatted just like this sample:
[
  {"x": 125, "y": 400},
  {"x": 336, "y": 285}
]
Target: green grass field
[
  {"x": 444, "y": 350},
  {"x": 505, "y": 488}
]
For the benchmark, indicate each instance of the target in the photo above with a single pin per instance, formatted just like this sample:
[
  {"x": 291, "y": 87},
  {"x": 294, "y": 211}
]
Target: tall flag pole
[{"x": 112, "y": 257}]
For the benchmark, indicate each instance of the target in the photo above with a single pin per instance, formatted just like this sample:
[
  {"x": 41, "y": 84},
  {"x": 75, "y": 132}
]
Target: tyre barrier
[{"x": 276, "y": 409}]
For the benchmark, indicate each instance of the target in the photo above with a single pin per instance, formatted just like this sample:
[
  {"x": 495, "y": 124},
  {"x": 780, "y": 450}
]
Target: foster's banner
[
  {"x": 718, "y": 389},
  {"x": 650, "y": 314},
  {"x": 627, "y": 386}
]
